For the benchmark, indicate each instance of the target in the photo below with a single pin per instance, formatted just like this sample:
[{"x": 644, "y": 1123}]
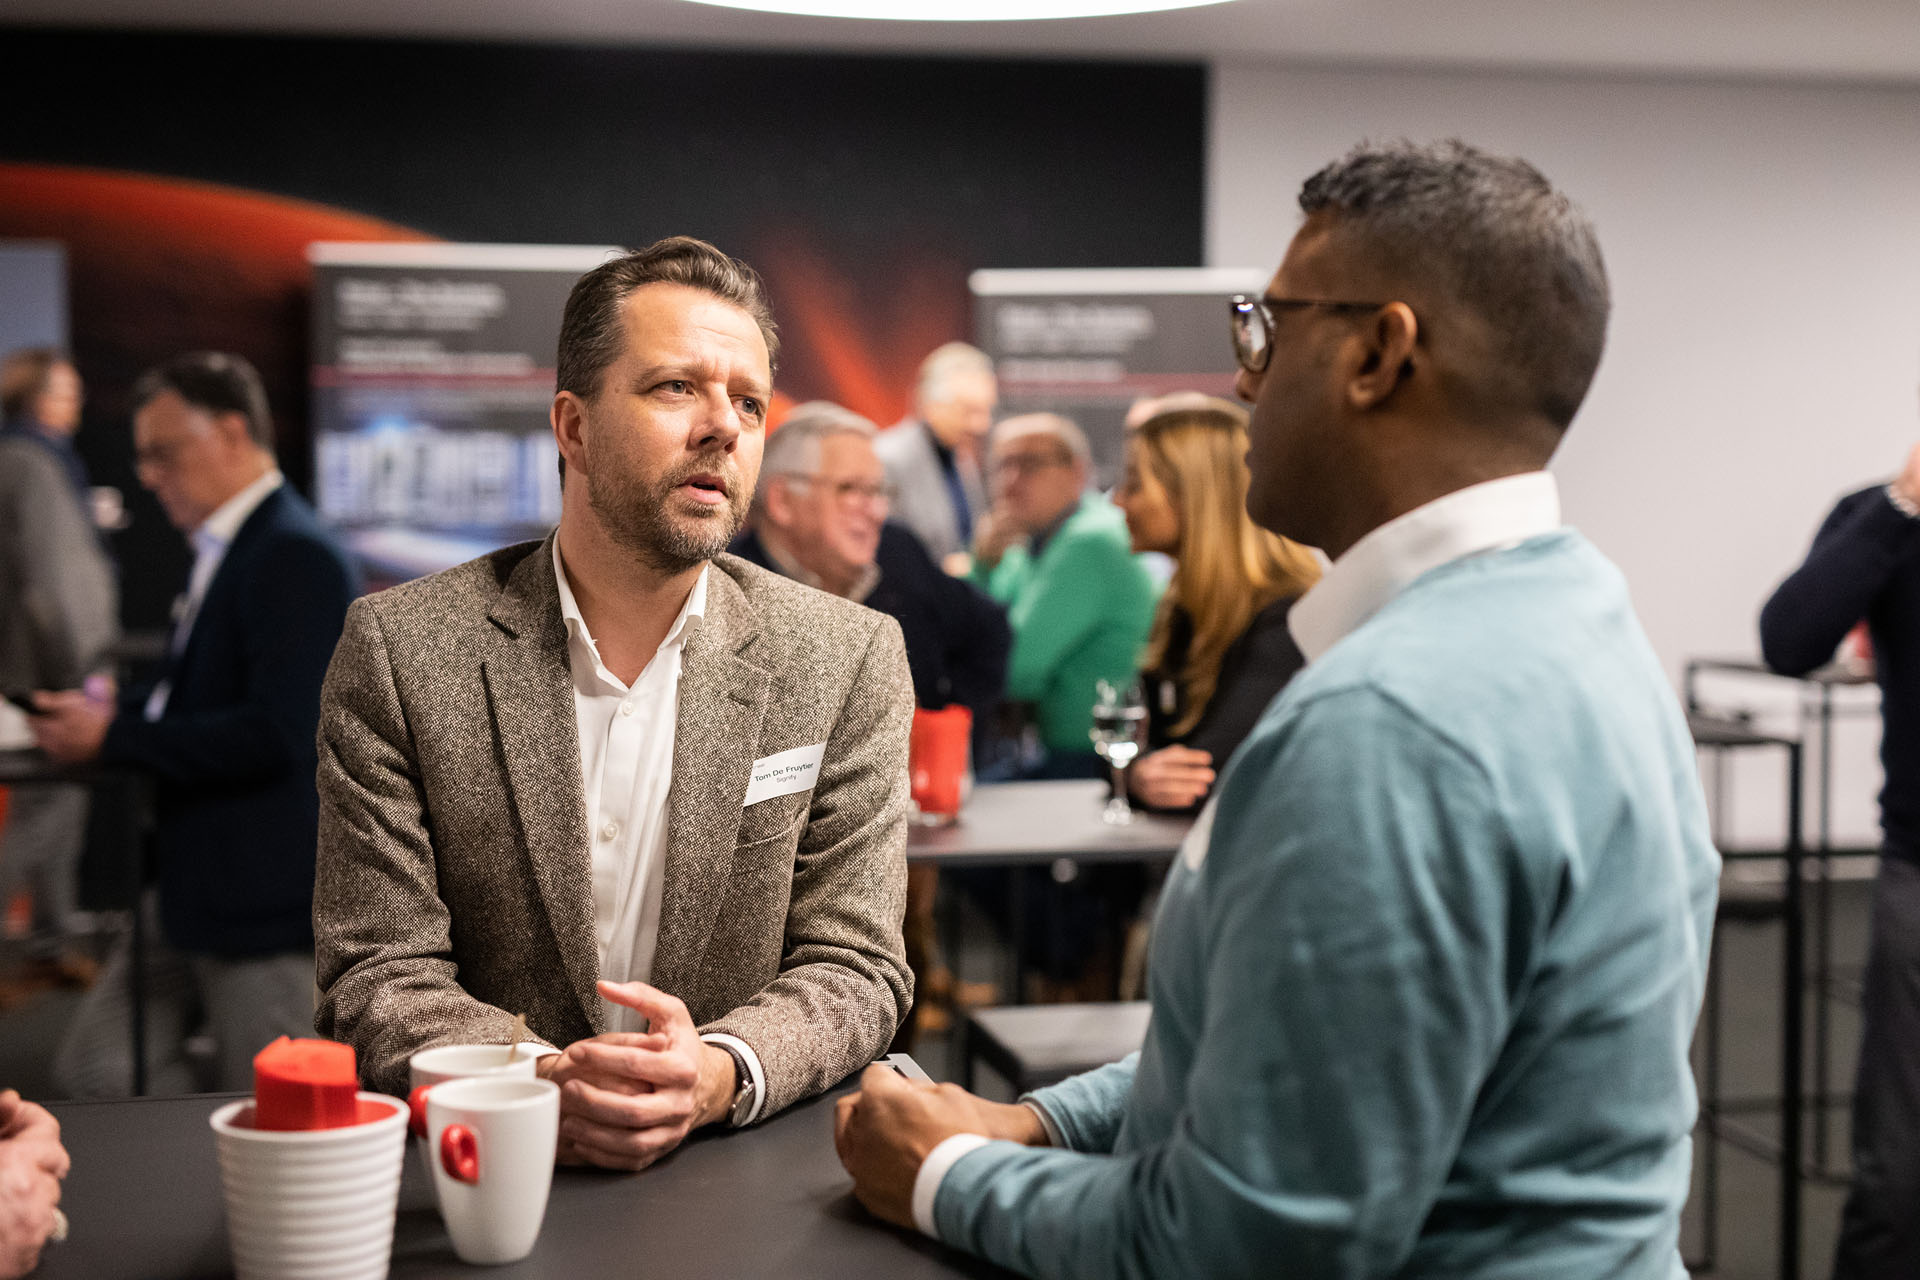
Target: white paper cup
[
  {"x": 311, "y": 1203},
  {"x": 493, "y": 1143}
]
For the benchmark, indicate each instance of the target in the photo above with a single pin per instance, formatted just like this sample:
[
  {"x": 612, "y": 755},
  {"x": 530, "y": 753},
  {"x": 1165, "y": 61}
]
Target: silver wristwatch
[{"x": 746, "y": 1094}]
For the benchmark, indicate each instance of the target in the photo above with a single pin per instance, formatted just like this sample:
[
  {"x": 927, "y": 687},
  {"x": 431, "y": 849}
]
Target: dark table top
[
  {"x": 1007, "y": 823},
  {"x": 144, "y": 1202}
]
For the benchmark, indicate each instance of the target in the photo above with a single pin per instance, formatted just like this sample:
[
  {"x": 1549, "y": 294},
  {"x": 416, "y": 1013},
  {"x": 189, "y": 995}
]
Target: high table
[
  {"x": 144, "y": 1202},
  {"x": 1015, "y": 824}
]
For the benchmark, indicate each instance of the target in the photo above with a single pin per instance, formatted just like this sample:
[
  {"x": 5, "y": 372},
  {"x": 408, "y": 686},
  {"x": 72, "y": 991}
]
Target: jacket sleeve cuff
[
  {"x": 752, "y": 1060},
  {"x": 926, "y": 1183}
]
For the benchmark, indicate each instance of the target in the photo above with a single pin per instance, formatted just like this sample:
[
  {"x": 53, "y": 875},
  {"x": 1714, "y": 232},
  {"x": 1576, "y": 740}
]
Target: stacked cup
[{"x": 312, "y": 1203}]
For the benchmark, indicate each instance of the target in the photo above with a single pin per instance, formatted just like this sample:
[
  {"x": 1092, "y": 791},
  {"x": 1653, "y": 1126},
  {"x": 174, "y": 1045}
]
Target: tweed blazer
[{"x": 454, "y": 885}]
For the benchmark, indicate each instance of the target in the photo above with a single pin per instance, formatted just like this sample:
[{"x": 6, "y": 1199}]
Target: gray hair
[
  {"x": 947, "y": 362},
  {"x": 1063, "y": 430},
  {"x": 793, "y": 448},
  {"x": 1489, "y": 235}
]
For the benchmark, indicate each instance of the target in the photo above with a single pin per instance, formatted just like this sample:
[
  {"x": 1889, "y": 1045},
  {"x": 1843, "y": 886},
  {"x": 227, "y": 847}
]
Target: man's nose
[{"x": 719, "y": 423}]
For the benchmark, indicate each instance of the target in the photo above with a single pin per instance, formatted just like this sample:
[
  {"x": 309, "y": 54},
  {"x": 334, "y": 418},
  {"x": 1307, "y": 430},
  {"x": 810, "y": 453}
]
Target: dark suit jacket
[
  {"x": 455, "y": 877},
  {"x": 233, "y": 757},
  {"x": 957, "y": 635}
]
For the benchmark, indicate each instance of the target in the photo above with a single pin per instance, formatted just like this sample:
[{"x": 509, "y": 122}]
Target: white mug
[
  {"x": 463, "y": 1062},
  {"x": 492, "y": 1142}
]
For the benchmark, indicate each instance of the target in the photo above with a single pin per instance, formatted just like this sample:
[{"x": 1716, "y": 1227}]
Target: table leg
[{"x": 1792, "y": 1044}]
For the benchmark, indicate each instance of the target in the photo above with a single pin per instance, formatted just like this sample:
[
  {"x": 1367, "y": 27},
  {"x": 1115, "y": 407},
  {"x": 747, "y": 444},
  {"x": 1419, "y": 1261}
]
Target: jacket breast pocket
[{"x": 772, "y": 818}]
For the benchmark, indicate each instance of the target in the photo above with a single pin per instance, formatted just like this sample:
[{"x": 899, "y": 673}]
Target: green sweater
[{"x": 1080, "y": 611}]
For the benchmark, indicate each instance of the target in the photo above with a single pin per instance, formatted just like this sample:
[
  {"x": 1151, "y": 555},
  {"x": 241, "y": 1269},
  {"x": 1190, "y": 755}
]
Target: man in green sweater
[
  {"x": 1426, "y": 971},
  {"x": 1059, "y": 559}
]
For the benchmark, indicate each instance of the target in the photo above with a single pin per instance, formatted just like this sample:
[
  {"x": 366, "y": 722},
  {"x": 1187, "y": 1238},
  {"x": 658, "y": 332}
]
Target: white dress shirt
[
  {"x": 210, "y": 542},
  {"x": 1482, "y": 517},
  {"x": 626, "y": 763}
]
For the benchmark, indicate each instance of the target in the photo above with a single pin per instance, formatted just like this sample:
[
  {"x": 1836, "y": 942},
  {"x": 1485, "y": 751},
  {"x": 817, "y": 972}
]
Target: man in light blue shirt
[{"x": 1425, "y": 975}]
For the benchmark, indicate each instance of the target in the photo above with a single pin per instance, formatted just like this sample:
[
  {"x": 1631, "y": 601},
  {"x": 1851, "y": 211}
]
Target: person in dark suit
[
  {"x": 227, "y": 734},
  {"x": 1219, "y": 650},
  {"x": 821, "y": 519}
]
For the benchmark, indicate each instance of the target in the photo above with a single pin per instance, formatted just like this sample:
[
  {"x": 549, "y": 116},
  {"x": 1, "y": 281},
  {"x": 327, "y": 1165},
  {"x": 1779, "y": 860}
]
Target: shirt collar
[
  {"x": 1482, "y": 517},
  {"x": 690, "y": 613},
  {"x": 220, "y": 528}
]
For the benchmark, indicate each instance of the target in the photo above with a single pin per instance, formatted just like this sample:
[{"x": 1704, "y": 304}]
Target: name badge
[{"x": 785, "y": 772}]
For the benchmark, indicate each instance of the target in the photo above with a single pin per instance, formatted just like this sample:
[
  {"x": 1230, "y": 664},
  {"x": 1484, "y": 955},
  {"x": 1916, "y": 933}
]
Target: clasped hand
[
  {"x": 628, "y": 1098},
  {"x": 32, "y": 1163}
]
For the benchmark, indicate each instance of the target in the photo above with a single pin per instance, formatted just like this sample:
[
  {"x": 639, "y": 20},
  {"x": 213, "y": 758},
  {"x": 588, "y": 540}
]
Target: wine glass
[{"x": 1119, "y": 731}]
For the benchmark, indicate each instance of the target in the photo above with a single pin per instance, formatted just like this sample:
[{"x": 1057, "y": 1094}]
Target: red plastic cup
[{"x": 937, "y": 763}]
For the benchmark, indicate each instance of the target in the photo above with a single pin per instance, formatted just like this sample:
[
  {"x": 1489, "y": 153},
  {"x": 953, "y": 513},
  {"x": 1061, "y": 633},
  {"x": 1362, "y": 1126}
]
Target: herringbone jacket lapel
[
  {"x": 723, "y": 700},
  {"x": 530, "y": 692}
]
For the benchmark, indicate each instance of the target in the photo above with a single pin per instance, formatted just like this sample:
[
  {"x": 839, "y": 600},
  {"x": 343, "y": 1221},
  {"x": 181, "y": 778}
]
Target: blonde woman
[{"x": 1219, "y": 649}]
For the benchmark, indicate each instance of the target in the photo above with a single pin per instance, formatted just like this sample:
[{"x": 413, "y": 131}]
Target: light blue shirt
[{"x": 1425, "y": 978}]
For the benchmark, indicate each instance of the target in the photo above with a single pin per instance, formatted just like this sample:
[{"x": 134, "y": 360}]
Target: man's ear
[
  {"x": 774, "y": 497},
  {"x": 569, "y": 418},
  {"x": 1386, "y": 355},
  {"x": 233, "y": 429}
]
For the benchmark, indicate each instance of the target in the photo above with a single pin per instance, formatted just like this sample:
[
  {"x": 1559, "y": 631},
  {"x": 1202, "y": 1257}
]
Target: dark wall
[{"x": 863, "y": 188}]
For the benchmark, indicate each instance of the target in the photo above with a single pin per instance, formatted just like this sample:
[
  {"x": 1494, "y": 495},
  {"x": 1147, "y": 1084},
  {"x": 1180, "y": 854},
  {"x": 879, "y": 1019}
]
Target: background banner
[
  {"x": 432, "y": 378},
  {"x": 1088, "y": 343}
]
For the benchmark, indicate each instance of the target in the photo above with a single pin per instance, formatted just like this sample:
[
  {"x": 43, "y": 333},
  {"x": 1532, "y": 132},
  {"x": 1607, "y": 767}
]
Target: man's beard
[{"x": 637, "y": 516}]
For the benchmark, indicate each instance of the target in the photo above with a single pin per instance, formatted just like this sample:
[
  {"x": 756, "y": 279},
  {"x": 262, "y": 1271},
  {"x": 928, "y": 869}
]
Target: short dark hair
[
  {"x": 590, "y": 325},
  {"x": 1489, "y": 234},
  {"x": 23, "y": 377},
  {"x": 214, "y": 382}
]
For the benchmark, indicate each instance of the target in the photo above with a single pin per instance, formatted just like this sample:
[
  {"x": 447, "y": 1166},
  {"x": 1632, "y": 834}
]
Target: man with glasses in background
[
  {"x": 1426, "y": 972},
  {"x": 228, "y": 735},
  {"x": 820, "y": 516}
]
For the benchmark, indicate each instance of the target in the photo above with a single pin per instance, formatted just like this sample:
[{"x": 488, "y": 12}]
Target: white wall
[{"x": 1763, "y": 242}]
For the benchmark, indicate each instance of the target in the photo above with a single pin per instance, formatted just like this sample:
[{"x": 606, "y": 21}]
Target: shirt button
[
  {"x": 610, "y": 830},
  {"x": 626, "y": 708}
]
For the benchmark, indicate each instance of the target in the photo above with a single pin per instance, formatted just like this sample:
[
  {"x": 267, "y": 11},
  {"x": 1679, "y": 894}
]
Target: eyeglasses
[
  {"x": 848, "y": 492},
  {"x": 1252, "y": 321},
  {"x": 1025, "y": 464}
]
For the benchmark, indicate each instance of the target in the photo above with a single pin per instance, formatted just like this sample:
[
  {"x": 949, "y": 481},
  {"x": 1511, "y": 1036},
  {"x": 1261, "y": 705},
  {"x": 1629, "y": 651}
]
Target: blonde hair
[{"x": 1227, "y": 567}]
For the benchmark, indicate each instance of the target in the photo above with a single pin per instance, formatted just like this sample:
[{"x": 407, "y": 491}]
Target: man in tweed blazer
[{"x": 472, "y": 864}]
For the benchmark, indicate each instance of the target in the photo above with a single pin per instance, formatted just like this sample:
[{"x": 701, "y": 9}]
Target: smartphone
[
  {"x": 907, "y": 1067},
  {"x": 22, "y": 699}
]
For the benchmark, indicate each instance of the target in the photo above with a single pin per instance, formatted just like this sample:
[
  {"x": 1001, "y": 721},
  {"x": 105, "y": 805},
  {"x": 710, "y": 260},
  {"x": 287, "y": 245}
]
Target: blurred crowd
[{"x": 1020, "y": 589}]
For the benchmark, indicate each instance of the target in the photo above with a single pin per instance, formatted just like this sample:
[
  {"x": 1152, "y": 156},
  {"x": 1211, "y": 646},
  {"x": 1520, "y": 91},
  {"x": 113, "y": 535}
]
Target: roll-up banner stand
[
  {"x": 432, "y": 377},
  {"x": 1088, "y": 343}
]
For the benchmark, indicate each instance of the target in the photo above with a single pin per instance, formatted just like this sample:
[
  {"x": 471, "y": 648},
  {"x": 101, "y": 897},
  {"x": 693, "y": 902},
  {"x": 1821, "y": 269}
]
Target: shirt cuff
[
  {"x": 1055, "y": 1138},
  {"x": 926, "y": 1183},
  {"x": 752, "y": 1060}
]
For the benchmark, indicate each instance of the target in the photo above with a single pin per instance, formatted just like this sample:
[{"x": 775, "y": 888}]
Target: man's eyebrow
[{"x": 690, "y": 370}]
